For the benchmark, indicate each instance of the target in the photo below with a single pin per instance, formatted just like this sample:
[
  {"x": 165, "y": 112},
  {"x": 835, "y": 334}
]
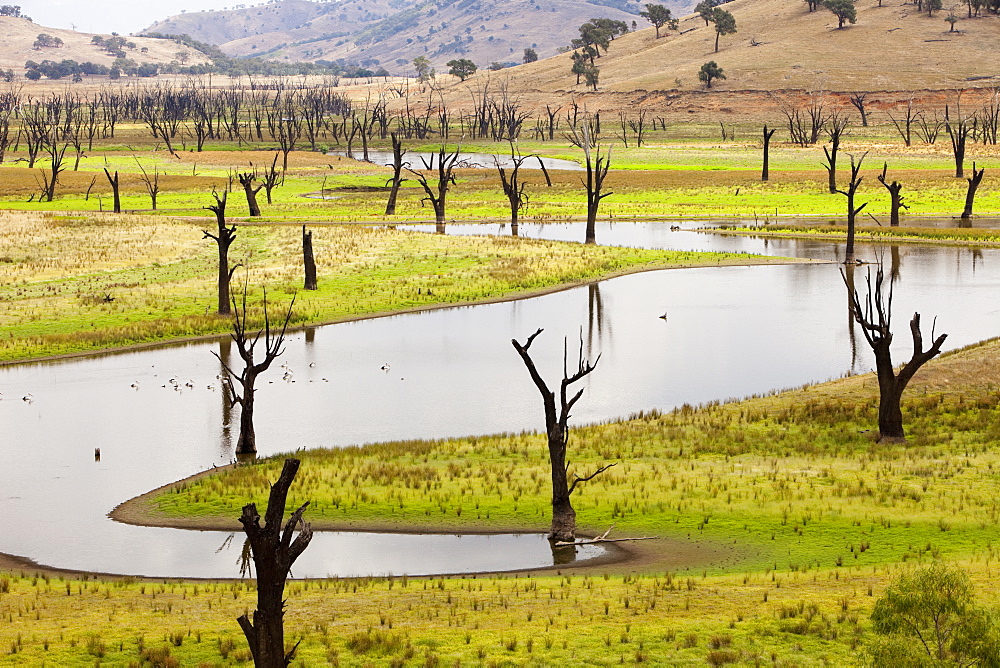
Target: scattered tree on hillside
[
  {"x": 952, "y": 19},
  {"x": 12, "y": 10},
  {"x": 895, "y": 196},
  {"x": 765, "y": 170},
  {"x": 725, "y": 24},
  {"x": 709, "y": 71},
  {"x": 932, "y": 6},
  {"x": 246, "y": 344},
  {"x": 463, "y": 68},
  {"x": 659, "y": 16},
  {"x": 852, "y": 211},
  {"x": 423, "y": 67},
  {"x": 273, "y": 552},
  {"x": 223, "y": 238},
  {"x": 814, "y": 4},
  {"x": 579, "y": 65},
  {"x": 929, "y": 616},
  {"x": 705, "y": 9},
  {"x": 844, "y": 11},
  {"x": 970, "y": 193},
  {"x": 875, "y": 318},
  {"x": 563, "y": 527},
  {"x": 47, "y": 41},
  {"x": 530, "y": 56},
  {"x": 591, "y": 75}
]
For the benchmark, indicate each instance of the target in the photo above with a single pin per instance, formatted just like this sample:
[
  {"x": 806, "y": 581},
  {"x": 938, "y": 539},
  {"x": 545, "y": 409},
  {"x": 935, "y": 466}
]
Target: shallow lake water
[
  {"x": 729, "y": 332},
  {"x": 466, "y": 160}
]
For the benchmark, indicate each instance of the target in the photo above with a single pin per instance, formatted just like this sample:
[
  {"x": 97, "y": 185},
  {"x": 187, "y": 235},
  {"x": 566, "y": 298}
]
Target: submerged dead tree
[
  {"x": 445, "y": 179},
  {"x": 835, "y": 131},
  {"x": 597, "y": 166},
  {"x": 513, "y": 186},
  {"x": 224, "y": 237},
  {"x": 875, "y": 317},
  {"x": 246, "y": 345},
  {"x": 563, "y": 527},
  {"x": 852, "y": 211},
  {"x": 273, "y": 551}
]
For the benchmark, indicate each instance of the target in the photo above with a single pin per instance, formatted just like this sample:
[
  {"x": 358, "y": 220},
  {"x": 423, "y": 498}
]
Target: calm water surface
[{"x": 730, "y": 332}]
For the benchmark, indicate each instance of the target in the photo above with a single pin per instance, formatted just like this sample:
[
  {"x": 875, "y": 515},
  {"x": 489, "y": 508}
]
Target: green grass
[
  {"x": 74, "y": 284},
  {"x": 984, "y": 237}
]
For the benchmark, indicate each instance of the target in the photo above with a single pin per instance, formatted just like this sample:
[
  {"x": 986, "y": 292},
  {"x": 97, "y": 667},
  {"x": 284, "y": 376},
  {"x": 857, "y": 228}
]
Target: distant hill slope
[
  {"x": 391, "y": 33},
  {"x": 18, "y": 36},
  {"x": 781, "y": 45}
]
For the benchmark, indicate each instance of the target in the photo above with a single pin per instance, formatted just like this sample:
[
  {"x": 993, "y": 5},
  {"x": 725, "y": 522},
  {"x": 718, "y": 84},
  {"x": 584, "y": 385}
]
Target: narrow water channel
[{"x": 729, "y": 332}]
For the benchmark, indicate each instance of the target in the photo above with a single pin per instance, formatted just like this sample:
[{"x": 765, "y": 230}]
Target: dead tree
[
  {"x": 273, "y": 551},
  {"x": 445, "y": 179},
  {"x": 835, "y": 130},
  {"x": 114, "y": 189},
  {"x": 246, "y": 345},
  {"x": 246, "y": 180},
  {"x": 597, "y": 166},
  {"x": 895, "y": 197},
  {"x": 875, "y": 318},
  {"x": 852, "y": 211},
  {"x": 513, "y": 186},
  {"x": 56, "y": 155},
  {"x": 271, "y": 177},
  {"x": 859, "y": 100},
  {"x": 904, "y": 125},
  {"x": 557, "y": 432},
  {"x": 765, "y": 170},
  {"x": 308, "y": 261},
  {"x": 152, "y": 182},
  {"x": 224, "y": 239},
  {"x": 958, "y": 131},
  {"x": 970, "y": 194},
  {"x": 397, "y": 170}
]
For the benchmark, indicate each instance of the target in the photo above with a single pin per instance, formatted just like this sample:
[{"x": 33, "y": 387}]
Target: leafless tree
[
  {"x": 958, "y": 130},
  {"x": 445, "y": 166},
  {"x": 557, "y": 433},
  {"x": 765, "y": 171},
  {"x": 271, "y": 177},
  {"x": 835, "y": 131},
  {"x": 247, "y": 180},
  {"x": 116, "y": 194},
  {"x": 597, "y": 166},
  {"x": 859, "y": 100},
  {"x": 397, "y": 170},
  {"x": 895, "y": 196},
  {"x": 152, "y": 183},
  {"x": 852, "y": 211},
  {"x": 308, "y": 260},
  {"x": 513, "y": 186},
  {"x": 223, "y": 238},
  {"x": 904, "y": 124},
  {"x": 274, "y": 551},
  {"x": 246, "y": 345},
  {"x": 874, "y": 315},
  {"x": 970, "y": 193}
]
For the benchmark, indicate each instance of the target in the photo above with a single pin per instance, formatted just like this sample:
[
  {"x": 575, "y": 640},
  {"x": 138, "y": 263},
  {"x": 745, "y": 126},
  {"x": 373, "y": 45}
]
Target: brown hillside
[
  {"x": 390, "y": 33},
  {"x": 18, "y": 35},
  {"x": 892, "y": 47}
]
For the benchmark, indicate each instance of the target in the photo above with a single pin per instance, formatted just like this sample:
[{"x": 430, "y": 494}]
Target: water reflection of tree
[
  {"x": 851, "y": 319},
  {"x": 226, "y": 438},
  {"x": 562, "y": 555},
  {"x": 595, "y": 318},
  {"x": 894, "y": 263}
]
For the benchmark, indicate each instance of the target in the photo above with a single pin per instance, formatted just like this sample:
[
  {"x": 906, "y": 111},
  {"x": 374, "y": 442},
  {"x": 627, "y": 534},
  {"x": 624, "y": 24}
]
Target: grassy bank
[
  {"x": 82, "y": 283},
  {"x": 818, "y": 516},
  {"x": 965, "y": 236}
]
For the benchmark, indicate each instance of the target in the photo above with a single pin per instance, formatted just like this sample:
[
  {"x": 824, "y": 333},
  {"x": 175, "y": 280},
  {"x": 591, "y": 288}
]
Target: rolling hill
[
  {"x": 19, "y": 36},
  {"x": 391, "y": 33}
]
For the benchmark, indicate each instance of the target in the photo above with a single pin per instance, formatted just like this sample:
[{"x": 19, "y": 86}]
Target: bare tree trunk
[
  {"x": 274, "y": 551},
  {"x": 224, "y": 239},
  {"x": 308, "y": 260},
  {"x": 970, "y": 193},
  {"x": 895, "y": 197},
  {"x": 765, "y": 169},
  {"x": 852, "y": 211},
  {"x": 397, "y": 169},
  {"x": 114, "y": 189}
]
